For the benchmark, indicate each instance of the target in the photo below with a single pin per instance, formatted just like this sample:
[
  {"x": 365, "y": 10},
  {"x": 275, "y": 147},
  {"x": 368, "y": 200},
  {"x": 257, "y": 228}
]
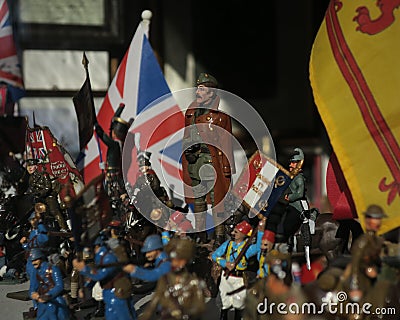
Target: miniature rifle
[{"x": 244, "y": 249}]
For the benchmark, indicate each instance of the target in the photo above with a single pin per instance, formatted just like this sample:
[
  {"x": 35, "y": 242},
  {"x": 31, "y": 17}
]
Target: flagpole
[
  {"x": 85, "y": 63},
  {"x": 146, "y": 17}
]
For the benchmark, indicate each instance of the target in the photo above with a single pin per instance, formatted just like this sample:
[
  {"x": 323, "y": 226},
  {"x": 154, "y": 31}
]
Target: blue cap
[
  {"x": 36, "y": 253},
  {"x": 152, "y": 242}
]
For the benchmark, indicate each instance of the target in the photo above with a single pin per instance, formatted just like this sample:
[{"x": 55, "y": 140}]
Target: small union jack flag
[
  {"x": 140, "y": 84},
  {"x": 10, "y": 68}
]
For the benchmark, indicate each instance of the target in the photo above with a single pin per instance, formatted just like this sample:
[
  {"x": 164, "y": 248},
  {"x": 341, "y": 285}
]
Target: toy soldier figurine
[
  {"x": 271, "y": 296},
  {"x": 149, "y": 196},
  {"x": 179, "y": 294},
  {"x": 153, "y": 248},
  {"x": 267, "y": 243},
  {"x": 45, "y": 190},
  {"x": 207, "y": 162},
  {"x": 118, "y": 131},
  {"x": 116, "y": 285},
  {"x": 366, "y": 252},
  {"x": 47, "y": 288},
  {"x": 38, "y": 239},
  {"x": 226, "y": 256}
]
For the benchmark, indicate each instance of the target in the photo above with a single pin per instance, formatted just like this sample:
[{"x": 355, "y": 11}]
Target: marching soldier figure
[
  {"x": 179, "y": 294},
  {"x": 226, "y": 256},
  {"x": 208, "y": 162}
]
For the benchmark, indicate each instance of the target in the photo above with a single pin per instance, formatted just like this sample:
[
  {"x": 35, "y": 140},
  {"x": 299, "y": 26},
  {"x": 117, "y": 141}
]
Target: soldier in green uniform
[
  {"x": 179, "y": 294},
  {"x": 275, "y": 290},
  {"x": 45, "y": 190},
  {"x": 366, "y": 255},
  {"x": 207, "y": 162}
]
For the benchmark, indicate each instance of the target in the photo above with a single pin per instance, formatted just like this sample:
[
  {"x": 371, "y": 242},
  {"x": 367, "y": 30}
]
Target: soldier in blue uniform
[
  {"x": 37, "y": 239},
  {"x": 154, "y": 250},
  {"x": 47, "y": 287},
  {"x": 117, "y": 287},
  {"x": 225, "y": 256}
]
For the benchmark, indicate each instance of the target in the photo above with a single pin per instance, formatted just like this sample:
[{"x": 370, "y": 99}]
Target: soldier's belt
[{"x": 236, "y": 273}]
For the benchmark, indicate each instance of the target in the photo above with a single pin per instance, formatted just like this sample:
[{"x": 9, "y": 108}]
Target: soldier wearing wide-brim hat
[
  {"x": 366, "y": 252},
  {"x": 374, "y": 211}
]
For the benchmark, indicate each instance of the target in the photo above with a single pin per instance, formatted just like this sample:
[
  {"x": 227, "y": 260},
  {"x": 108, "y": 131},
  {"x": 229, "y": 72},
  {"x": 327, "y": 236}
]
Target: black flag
[{"x": 84, "y": 107}]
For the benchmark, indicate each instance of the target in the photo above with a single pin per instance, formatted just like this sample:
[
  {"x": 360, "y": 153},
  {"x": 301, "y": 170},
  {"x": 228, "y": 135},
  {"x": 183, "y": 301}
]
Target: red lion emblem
[{"x": 366, "y": 25}]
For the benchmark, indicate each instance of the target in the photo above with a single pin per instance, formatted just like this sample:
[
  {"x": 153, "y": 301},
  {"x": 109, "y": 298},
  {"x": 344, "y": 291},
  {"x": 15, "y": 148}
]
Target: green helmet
[
  {"x": 207, "y": 80},
  {"x": 180, "y": 249},
  {"x": 299, "y": 156}
]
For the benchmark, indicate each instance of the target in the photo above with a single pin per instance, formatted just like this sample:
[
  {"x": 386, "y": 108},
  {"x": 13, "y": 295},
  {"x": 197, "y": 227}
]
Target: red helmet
[
  {"x": 114, "y": 224},
  {"x": 244, "y": 227}
]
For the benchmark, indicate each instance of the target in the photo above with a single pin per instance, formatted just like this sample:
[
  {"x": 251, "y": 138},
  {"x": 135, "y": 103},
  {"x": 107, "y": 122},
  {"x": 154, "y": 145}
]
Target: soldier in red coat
[{"x": 207, "y": 162}]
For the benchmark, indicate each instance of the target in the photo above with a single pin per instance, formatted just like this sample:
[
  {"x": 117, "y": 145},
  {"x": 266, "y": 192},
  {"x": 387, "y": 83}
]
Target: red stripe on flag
[
  {"x": 7, "y": 47},
  {"x": 3, "y": 10},
  {"x": 91, "y": 170},
  {"x": 172, "y": 170},
  {"x": 106, "y": 113},
  {"x": 121, "y": 75},
  {"x": 374, "y": 121},
  {"x": 161, "y": 126}
]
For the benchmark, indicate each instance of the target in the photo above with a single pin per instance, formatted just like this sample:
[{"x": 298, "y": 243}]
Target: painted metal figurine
[
  {"x": 208, "y": 162},
  {"x": 47, "y": 288},
  {"x": 117, "y": 287}
]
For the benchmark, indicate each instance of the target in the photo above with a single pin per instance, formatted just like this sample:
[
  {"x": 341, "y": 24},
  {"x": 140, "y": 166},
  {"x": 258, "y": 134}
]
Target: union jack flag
[
  {"x": 10, "y": 69},
  {"x": 140, "y": 84}
]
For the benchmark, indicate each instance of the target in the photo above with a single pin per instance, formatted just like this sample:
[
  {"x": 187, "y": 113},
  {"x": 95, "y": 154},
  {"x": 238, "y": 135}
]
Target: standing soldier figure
[
  {"x": 207, "y": 161},
  {"x": 47, "y": 288},
  {"x": 179, "y": 294},
  {"x": 45, "y": 190},
  {"x": 226, "y": 256},
  {"x": 38, "y": 239},
  {"x": 115, "y": 186}
]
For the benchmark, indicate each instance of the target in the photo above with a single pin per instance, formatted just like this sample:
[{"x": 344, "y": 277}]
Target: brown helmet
[
  {"x": 180, "y": 249},
  {"x": 40, "y": 207},
  {"x": 375, "y": 211}
]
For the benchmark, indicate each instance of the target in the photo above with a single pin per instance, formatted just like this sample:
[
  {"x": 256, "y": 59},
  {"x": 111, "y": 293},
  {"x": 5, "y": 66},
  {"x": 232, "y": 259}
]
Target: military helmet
[
  {"x": 180, "y": 249},
  {"x": 143, "y": 158},
  {"x": 375, "y": 211},
  {"x": 36, "y": 254},
  {"x": 40, "y": 207},
  {"x": 32, "y": 161},
  {"x": 207, "y": 80},
  {"x": 151, "y": 243},
  {"x": 298, "y": 156}
]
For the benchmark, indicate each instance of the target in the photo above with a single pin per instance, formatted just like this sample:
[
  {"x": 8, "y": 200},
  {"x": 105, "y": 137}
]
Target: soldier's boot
[
  {"x": 200, "y": 211},
  {"x": 224, "y": 314},
  {"x": 238, "y": 314},
  {"x": 100, "y": 310}
]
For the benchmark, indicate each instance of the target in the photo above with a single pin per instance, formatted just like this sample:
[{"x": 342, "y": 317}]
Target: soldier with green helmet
[
  {"x": 207, "y": 161},
  {"x": 179, "y": 294}
]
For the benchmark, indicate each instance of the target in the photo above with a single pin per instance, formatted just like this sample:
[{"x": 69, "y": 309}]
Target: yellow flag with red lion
[{"x": 355, "y": 77}]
